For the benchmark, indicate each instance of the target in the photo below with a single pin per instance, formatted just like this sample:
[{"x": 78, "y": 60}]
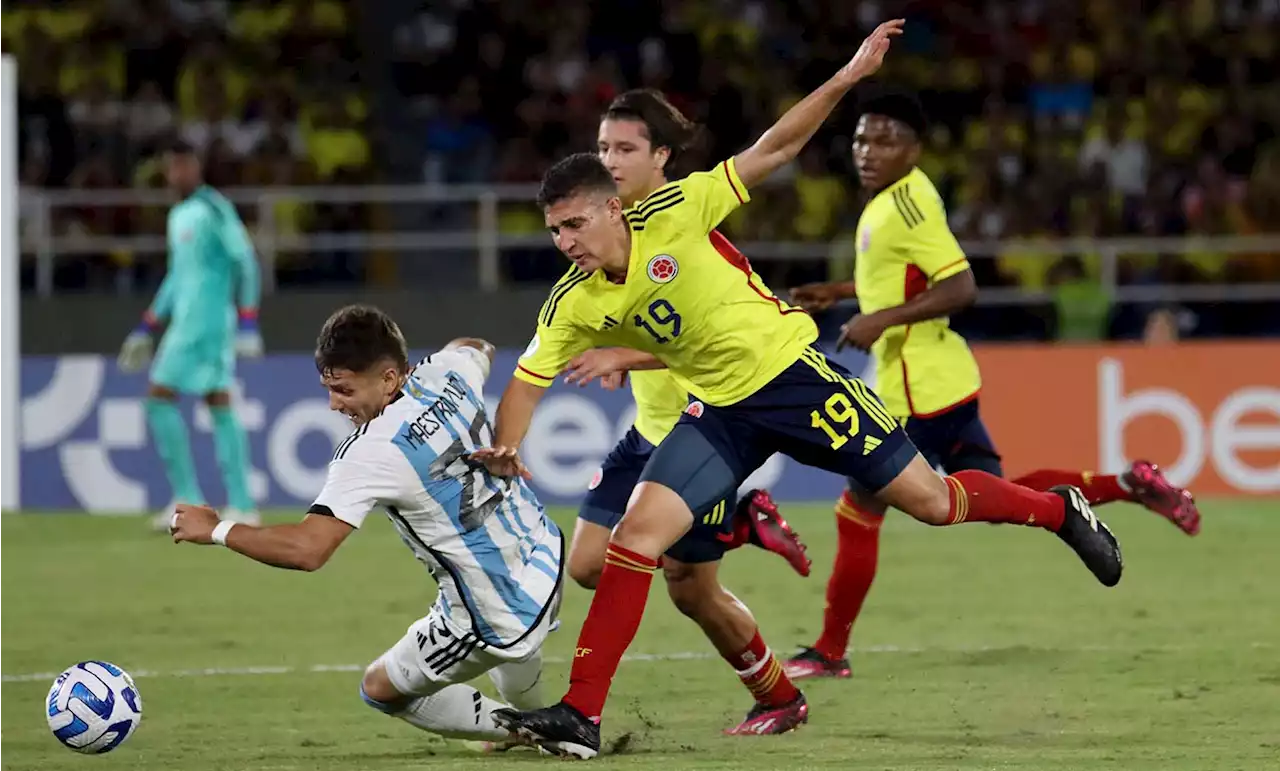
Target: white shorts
[{"x": 435, "y": 653}]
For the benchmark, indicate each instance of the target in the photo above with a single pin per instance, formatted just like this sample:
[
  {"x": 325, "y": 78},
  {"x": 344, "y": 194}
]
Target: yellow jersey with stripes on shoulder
[
  {"x": 904, "y": 246},
  {"x": 689, "y": 298}
]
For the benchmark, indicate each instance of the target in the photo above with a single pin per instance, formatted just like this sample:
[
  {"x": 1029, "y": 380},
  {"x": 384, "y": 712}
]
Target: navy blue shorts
[
  {"x": 955, "y": 440},
  {"x": 815, "y": 412},
  {"x": 607, "y": 497}
]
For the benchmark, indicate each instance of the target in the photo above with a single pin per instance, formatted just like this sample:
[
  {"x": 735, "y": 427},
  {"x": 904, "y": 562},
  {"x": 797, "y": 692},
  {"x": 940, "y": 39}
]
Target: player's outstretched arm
[
  {"x": 305, "y": 545},
  {"x": 600, "y": 363},
  {"x": 784, "y": 140},
  {"x": 510, "y": 424},
  {"x": 162, "y": 305},
  {"x": 822, "y": 295},
  {"x": 945, "y": 298},
  {"x": 138, "y": 346},
  {"x": 237, "y": 244}
]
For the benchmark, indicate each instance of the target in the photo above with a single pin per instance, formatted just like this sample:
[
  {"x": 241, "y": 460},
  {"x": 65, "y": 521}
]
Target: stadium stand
[
  {"x": 265, "y": 90},
  {"x": 1049, "y": 119}
]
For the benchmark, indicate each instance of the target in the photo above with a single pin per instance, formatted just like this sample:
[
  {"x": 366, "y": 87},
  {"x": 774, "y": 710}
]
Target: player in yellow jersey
[
  {"x": 642, "y": 138},
  {"x": 659, "y": 280},
  {"x": 910, "y": 276}
]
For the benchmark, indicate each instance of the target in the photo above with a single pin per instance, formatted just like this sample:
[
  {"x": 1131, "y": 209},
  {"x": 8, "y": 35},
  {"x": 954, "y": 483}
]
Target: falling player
[
  {"x": 686, "y": 300},
  {"x": 642, "y": 137},
  {"x": 486, "y": 541},
  {"x": 212, "y": 274},
  {"x": 911, "y": 275}
]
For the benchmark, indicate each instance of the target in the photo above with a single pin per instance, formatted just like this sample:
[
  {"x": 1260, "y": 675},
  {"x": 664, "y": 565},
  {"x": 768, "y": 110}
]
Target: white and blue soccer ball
[{"x": 93, "y": 707}]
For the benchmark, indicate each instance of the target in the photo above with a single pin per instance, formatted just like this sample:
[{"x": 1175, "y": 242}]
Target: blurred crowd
[
  {"x": 1049, "y": 118},
  {"x": 266, "y": 91}
]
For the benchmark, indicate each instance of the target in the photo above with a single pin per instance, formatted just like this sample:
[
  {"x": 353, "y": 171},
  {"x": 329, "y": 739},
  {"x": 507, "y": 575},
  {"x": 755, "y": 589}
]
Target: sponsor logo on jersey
[
  {"x": 663, "y": 268},
  {"x": 694, "y": 409},
  {"x": 595, "y": 480}
]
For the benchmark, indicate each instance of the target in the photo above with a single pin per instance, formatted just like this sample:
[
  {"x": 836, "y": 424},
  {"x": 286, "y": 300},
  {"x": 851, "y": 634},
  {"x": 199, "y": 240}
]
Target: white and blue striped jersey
[{"x": 486, "y": 540}]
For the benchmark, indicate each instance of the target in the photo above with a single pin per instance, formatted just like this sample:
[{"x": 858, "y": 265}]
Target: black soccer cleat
[
  {"x": 558, "y": 729},
  {"x": 1089, "y": 536}
]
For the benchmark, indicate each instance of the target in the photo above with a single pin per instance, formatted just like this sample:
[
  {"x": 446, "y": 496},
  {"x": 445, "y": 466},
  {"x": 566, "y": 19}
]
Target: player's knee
[
  {"x": 217, "y": 399},
  {"x": 163, "y": 393},
  {"x": 656, "y": 518},
  {"x": 934, "y": 508},
  {"x": 586, "y": 555},
  {"x": 377, "y": 690},
  {"x": 584, "y": 573},
  {"x": 919, "y": 493}
]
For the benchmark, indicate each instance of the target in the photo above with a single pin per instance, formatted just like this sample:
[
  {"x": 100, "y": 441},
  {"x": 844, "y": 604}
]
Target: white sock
[
  {"x": 457, "y": 712},
  {"x": 520, "y": 683}
]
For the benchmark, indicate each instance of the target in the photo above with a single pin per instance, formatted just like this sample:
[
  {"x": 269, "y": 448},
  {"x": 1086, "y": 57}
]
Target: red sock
[
  {"x": 855, "y": 568},
  {"x": 977, "y": 496},
  {"x": 760, "y": 671},
  {"x": 1097, "y": 489},
  {"x": 611, "y": 624}
]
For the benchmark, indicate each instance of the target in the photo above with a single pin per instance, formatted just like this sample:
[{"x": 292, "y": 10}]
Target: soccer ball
[{"x": 93, "y": 707}]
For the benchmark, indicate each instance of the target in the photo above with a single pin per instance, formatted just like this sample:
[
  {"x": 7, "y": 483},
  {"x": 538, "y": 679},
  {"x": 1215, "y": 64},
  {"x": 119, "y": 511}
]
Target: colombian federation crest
[{"x": 663, "y": 268}]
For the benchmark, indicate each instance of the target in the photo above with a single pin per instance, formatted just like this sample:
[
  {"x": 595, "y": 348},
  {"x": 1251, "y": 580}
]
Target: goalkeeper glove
[
  {"x": 248, "y": 338},
  {"x": 137, "y": 348}
]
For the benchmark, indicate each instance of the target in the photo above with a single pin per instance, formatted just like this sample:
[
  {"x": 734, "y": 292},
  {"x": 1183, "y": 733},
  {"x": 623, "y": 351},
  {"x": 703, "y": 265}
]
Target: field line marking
[{"x": 30, "y": 677}]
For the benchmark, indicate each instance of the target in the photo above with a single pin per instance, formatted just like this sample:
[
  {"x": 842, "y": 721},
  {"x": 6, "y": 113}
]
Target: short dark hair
[
  {"x": 666, "y": 125},
  {"x": 895, "y": 104},
  {"x": 579, "y": 173},
  {"x": 358, "y": 337}
]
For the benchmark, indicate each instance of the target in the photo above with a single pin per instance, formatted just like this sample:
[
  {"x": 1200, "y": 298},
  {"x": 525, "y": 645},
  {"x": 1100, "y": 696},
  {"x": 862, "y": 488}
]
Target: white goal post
[{"x": 10, "y": 340}]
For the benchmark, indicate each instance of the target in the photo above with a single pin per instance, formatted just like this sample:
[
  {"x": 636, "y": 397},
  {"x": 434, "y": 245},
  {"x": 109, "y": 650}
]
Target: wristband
[
  {"x": 149, "y": 322},
  {"x": 220, "y": 531},
  {"x": 247, "y": 315}
]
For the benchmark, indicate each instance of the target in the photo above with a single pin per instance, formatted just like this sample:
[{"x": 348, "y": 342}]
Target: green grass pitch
[{"x": 980, "y": 648}]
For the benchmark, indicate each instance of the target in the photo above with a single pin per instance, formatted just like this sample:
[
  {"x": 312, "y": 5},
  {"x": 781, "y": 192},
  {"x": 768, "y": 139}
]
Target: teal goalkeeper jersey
[{"x": 212, "y": 269}]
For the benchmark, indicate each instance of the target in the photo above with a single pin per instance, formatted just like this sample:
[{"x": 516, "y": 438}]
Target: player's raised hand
[
  {"x": 814, "y": 297},
  {"x": 501, "y": 462},
  {"x": 871, "y": 53},
  {"x": 193, "y": 524}
]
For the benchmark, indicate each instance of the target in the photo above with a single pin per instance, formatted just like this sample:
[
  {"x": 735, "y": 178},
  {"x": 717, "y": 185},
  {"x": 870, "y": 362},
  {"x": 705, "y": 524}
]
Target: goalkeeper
[{"x": 206, "y": 314}]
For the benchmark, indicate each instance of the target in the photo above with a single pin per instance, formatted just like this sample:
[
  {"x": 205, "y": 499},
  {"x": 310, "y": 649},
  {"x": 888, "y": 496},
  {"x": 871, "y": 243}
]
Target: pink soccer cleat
[
  {"x": 764, "y": 720},
  {"x": 1151, "y": 489},
  {"x": 756, "y": 520}
]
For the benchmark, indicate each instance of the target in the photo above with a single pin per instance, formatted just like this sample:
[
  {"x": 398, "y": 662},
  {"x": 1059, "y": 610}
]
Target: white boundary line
[{"x": 32, "y": 677}]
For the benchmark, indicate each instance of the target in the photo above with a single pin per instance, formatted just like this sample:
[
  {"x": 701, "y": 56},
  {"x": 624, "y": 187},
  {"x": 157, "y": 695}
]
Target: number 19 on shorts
[{"x": 840, "y": 421}]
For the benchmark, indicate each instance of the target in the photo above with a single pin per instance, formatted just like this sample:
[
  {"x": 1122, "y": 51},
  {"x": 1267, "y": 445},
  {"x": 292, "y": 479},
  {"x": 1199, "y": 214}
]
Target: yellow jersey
[
  {"x": 660, "y": 400},
  {"x": 903, "y": 246},
  {"x": 690, "y": 298}
]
